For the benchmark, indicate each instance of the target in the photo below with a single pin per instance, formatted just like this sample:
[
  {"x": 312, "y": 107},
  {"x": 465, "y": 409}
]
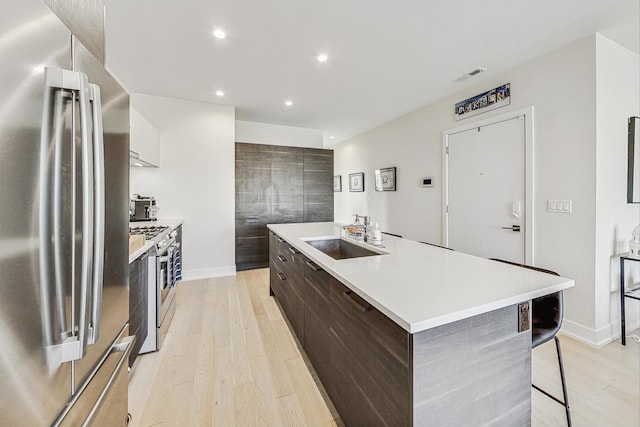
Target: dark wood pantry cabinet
[{"x": 274, "y": 185}]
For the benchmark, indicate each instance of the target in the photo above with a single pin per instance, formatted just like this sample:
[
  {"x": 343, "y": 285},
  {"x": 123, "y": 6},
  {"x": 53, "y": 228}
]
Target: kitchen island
[{"x": 413, "y": 334}]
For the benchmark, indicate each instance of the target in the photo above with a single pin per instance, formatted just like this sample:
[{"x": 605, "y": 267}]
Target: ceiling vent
[{"x": 470, "y": 74}]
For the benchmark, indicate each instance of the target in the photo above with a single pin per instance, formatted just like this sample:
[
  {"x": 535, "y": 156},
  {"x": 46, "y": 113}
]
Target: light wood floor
[{"x": 229, "y": 359}]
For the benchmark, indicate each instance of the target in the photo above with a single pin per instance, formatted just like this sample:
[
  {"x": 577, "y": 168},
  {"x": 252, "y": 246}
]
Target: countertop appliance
[
  {"x": 143, "y": 208},
  {"x": 64, "y": 173},
  {"x": 162, "y": 282}
]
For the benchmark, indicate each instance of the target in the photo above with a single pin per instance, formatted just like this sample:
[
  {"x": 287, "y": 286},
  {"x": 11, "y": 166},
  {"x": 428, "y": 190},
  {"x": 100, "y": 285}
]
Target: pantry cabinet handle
[
  {"x": 357, "y": 301},
  {"x": 294, "y": 251},
  {"x": 313, "y": 266},
  {"x": 280, "y": 239},
  {"x": 281, "y": 258},
  {"x": 282, "y": 276}
]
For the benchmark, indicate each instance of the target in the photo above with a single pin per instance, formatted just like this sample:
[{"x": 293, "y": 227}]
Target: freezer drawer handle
[{"x": 124, "y": 347}]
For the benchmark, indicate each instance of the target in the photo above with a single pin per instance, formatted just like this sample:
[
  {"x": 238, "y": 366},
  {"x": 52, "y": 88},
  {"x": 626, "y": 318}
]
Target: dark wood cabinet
[
  {"x": 361, "y": 356},
  {"x": 287, "y": 189},
  {"x": 287, "y": 282},
  {"x": 369, "y": 362},
  {"x": 317, "y": 320},
  {"x": 275, "y": 185},
  {"x": 138, "y": 303},
  {"x": 318, "y": 185},
  {"x": 253, "y": 204}
]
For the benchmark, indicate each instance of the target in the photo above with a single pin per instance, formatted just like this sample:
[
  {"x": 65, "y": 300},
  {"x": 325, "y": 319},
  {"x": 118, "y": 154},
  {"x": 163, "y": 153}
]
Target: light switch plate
[
  {"x": 426, "y": 181},
  {"x": 560, "y": 206}
]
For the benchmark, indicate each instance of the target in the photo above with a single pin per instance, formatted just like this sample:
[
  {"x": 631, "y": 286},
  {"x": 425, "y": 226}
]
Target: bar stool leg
[{"x": 564, "y": 383}]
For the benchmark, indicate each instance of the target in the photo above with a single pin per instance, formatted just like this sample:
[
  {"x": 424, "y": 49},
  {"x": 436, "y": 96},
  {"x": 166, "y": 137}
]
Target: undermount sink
[{"x": 341, "y": 249}]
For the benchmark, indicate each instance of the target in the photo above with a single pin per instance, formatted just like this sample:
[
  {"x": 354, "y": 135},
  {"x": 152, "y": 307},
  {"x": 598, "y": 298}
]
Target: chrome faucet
[{"x": 366, "y": 219}]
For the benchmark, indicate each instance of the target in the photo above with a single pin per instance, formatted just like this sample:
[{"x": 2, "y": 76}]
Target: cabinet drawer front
[{"x": 374, "y": 350}]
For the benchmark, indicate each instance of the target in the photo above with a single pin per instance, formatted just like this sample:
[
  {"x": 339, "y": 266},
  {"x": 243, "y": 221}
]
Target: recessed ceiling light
[
  {"x": 332, "y": 137},
  {"x": 322, "y": 58},
  {"x": 288, "y": 103},
  {"x": 219, "y": 93},
  {"x": 219, "y": 34}
]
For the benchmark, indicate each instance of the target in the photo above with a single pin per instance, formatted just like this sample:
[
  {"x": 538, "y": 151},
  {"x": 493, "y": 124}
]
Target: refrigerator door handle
[
  {"x": 99, "y": 212},
  {"x": 50, "y": 263},
  {"x": 88, "y": 191},
  {"x": 74, "y": 346}
]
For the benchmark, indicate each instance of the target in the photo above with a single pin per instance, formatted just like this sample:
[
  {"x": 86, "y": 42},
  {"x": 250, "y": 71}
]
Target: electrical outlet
[{"x": 523, "y": 317}]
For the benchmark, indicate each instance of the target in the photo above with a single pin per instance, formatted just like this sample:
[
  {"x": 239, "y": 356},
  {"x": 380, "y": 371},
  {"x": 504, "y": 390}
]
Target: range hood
[{"x": 136, "y": 162}]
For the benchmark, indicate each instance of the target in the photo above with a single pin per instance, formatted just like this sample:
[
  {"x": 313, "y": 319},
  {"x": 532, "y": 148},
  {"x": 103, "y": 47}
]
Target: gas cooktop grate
[{"x": 149, "y": 231}]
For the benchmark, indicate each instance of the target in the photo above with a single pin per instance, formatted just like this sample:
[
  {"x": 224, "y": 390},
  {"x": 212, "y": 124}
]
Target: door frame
[{"x": 527, "y": 114}]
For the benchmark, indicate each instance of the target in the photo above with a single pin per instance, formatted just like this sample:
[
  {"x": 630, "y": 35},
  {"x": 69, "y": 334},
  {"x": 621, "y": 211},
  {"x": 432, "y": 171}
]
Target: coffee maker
[{"x": 143, "y": 208}]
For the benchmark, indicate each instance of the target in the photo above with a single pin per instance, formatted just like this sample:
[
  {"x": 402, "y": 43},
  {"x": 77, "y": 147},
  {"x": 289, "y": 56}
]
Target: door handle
[{"x": 512, "y": 228}]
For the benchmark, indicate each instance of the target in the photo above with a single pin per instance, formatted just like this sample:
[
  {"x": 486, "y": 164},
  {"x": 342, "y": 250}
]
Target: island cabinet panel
[
  {"x": 287, "y": 283},
  {"x": 370, "y": 363},
  {"x": 317, "y": 320},
  {"x": 482, "y": 362}
]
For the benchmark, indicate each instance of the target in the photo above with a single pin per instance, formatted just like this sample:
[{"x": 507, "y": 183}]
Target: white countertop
[
  {"x": 169, "y": 222},
  {"x": 420, "y": 286}
]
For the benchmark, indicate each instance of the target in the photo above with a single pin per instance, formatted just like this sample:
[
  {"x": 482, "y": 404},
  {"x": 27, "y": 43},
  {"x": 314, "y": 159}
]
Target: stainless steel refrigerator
[{"x": 64, "y": 176}]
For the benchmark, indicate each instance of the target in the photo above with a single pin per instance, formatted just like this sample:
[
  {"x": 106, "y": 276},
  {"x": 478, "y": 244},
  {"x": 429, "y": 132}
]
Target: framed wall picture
[
  {"x": 337, "y": 183},
  {"x": 356, "y": 181},
  {"x": 483, "y": 102},
  {"x": 386, "y": 179}
]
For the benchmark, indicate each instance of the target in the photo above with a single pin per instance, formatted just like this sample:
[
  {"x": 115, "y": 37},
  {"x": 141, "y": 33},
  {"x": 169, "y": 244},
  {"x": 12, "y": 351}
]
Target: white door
[{"x": 485, "y": 190}]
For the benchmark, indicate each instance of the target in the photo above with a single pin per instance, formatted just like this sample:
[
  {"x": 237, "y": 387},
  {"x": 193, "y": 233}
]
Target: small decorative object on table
[
  {"x": 386, "y": 179},
  {"x": 356, "y": 182}
]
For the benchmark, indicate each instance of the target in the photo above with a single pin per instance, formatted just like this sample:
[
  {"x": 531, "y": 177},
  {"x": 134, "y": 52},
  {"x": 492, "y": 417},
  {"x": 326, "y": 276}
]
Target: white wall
[
  {"x": 562, "y": 88},
  {"x": 195, "y": 180},
  {"x": 264, "y": 133},
  {"x": 618, "y": 94}
]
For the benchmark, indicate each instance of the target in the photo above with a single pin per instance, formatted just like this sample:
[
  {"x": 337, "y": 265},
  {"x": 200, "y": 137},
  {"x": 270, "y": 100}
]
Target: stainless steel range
[{"x": 162, "y": 282}]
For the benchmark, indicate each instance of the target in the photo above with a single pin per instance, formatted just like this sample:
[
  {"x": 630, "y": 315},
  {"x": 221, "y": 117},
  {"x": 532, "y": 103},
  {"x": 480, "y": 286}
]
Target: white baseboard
[
  {"x": 596, "y": 337},
  {"x": 208, "y": 273}
]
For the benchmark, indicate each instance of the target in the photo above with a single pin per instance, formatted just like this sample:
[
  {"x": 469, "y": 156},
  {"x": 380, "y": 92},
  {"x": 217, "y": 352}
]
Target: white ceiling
[{"x": 386, "y": 57}]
